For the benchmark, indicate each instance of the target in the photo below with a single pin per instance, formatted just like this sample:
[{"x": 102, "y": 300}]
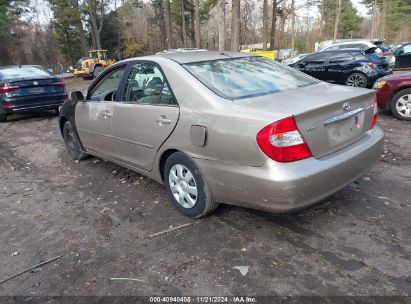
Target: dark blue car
[
  {"x": 356, "y": 68},
  {"x": 27, "y": 87}
]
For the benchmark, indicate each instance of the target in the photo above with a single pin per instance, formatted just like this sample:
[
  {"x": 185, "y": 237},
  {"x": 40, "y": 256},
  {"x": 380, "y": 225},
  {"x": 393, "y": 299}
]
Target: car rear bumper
[
  {"x": 10, "y": 106},
  {"x": 282, "y": 187}
]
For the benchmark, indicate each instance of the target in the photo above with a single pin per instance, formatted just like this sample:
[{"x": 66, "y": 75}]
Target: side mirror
[{"x": 77, "y": 96}]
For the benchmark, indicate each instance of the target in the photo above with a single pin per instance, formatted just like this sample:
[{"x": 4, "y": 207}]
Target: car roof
[
  {"x": 19, "y": 66},
  {"x": 183, "y": 56}
]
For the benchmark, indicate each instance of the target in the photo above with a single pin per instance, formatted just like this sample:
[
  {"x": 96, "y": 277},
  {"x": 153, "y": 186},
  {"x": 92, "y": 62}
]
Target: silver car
[{"x": 226, "y": 127}]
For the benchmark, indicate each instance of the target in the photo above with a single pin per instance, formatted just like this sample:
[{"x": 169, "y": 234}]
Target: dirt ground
[{"x": 98, "y": 216}]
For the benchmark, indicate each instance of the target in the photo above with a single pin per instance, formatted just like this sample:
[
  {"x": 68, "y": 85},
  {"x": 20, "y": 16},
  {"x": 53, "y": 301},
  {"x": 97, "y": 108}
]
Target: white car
[{"x": 356, "y": 44}]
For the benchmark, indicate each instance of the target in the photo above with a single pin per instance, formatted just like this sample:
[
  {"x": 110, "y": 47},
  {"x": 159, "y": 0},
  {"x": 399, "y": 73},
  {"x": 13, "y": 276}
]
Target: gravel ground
[{"x": 98, "y": 216}]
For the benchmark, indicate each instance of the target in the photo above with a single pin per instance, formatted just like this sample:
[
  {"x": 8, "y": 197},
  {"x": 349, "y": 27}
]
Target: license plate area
[
  {"x": 346, "y": 128},
  {"x": 37, "y": 90}
]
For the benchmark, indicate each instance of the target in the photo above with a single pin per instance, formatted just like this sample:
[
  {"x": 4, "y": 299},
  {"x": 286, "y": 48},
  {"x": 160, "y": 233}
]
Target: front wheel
[
  {"x": 400, "y": 105},
  {"x": 72, "y": 142},
  {"x": 357, "y": 80},
  {"x": 186, "y": 187}
]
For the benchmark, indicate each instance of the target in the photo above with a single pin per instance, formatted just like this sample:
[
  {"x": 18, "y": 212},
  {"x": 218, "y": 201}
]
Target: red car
[{"x": 394, "y": 94}]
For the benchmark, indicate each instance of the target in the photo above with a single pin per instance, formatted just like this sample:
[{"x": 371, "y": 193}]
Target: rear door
[
  {"x": 340, "y": 65},
  {"x": 145, "y": 117},
  {"x": 94, "y": 116},
  {"x": 315, "y": 65}
]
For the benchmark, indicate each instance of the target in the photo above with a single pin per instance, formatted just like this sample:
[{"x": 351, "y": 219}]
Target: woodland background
[{"x": 131, "y": 28}]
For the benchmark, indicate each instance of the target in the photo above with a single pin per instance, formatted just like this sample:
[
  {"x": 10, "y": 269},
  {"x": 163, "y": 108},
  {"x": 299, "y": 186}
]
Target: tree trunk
[
  {"x": 95, "y": 29},
  {"x": 183, "y": 16},
  {"x": 265, "y": 25},
  {"x": 169, "y": 32},
  {"x": 197, "y": 23},
  {"x": 235, "y": 26},
  {"x": 337, "y": 19},
  {"x": 273, "y": 26},
  {"x": 83, "y": 41},
  {"x": 292, "y": 26},
  {"x": 383, "y": 19},
  {"x": 221, "y": 25}
]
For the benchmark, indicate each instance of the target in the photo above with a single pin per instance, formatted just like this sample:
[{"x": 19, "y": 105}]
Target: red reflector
[
  {"x": 375, "y": 115},
  {"x": 8, "y": 89},
  {"x": 7, "y": 105},
  {"x": 372, "y": 65},
  {"x": 282, "y": 141},
  {"x": 59, "y": 84}
]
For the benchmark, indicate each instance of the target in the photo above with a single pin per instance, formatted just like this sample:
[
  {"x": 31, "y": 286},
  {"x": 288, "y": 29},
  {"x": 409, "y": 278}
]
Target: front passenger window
[
  {"x": 107, "y": 88},
  {"x": 146, "y": 84}
]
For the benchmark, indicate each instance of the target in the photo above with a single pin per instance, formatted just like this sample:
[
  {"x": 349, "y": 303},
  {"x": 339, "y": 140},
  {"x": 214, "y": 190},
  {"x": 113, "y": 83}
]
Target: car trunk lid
[
  {"x": 329, "y": 117},
  {"x": 34, "y": 86}
]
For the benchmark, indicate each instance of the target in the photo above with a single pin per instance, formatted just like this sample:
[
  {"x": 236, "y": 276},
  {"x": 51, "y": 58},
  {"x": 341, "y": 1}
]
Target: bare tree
[
  {"x": 183, "y": 23},
  {"x": 265, "y": 20},
  {"x": 169, "y": 33},
  {"x": 235, "y": 26},
  {"x": 293, "y": 25},
  {"x": 337, "y": 19},
  {"x": 197, "y": 23},
  {"x": 96, "y": 23},
  {"x": 221, "y": 25}
]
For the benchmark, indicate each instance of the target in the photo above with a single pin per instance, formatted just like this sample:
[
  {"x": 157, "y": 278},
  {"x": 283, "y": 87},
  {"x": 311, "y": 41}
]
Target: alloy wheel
[
  {"x": 403, "y": 105},
  {"x": 356, "y": 80},
  {"x": 183, "y": 186}
]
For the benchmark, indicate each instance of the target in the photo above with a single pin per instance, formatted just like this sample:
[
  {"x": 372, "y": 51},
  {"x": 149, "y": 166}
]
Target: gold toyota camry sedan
[{"x": 225, "y": 127}]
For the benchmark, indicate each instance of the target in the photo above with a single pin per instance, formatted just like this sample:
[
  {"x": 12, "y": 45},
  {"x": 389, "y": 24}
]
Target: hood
[{"x": 401, "y": 76}]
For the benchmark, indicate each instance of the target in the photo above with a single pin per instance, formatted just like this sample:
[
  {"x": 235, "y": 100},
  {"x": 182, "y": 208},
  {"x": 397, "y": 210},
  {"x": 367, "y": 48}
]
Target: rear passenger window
[
  {"x": 146, "y": 84},
  {"x": 341, "y": 57}
]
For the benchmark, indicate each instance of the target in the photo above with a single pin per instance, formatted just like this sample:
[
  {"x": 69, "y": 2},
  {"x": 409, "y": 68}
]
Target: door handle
[
  {"x": 107, "y": 114},
  {"x": 163, "y": 120}
]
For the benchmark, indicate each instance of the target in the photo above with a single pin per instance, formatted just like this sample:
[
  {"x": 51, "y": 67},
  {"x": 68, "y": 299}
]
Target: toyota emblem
[
  {"x": 346, "y": 106},
  {"x": 35, "y": 83}
]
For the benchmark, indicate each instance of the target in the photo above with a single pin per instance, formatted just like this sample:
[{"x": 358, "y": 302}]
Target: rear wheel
[
  {"x": 357, "y": 80},
  {"x": 97, "y": 71},
  {"x": 72, "y": 142},
  {"x": 400, "y": 105},
  {"x": 3, "y": 117},
  {"x": 186, "y": 187}
]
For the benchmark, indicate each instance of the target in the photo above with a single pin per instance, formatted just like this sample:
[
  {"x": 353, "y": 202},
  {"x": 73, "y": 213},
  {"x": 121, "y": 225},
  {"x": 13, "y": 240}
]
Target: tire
[
  {"x": 72, "y": 142},
  {"x": 357, "y": 80},
  {"x": 400, "y": 105},
  {"x": 3, "y": 117},
  {"x": 196, "y": 202},
  {"x": 97, "y": 71}
]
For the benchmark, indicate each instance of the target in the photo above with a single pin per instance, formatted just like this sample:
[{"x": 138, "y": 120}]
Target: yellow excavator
[{"x": 90, "y": 67}]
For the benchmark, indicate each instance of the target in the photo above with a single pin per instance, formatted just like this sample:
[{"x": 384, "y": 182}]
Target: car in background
[
  {"x": 226, "y": 127},
  {"x": 294, "y": 59},
  {"x": 403, "y": 56},
  {"x": 354, "y": 68},
  {"x": 394, "y": 95},
  {"x": 386, "y": 51},
  {"x": 364, "y": 45},
  {"x": 29, "y": 87}
]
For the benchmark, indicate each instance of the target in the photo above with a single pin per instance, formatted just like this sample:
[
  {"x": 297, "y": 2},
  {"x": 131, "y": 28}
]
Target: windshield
[
  {"x": 247, "y": 77},
  {"x": 22, "y": 72}
]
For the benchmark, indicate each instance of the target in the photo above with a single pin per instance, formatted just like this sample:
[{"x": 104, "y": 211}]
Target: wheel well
[
  {"x": 166, "y": 154},
  {"x": 63, "y": 120},
  {"x": 398, "y": 90}
]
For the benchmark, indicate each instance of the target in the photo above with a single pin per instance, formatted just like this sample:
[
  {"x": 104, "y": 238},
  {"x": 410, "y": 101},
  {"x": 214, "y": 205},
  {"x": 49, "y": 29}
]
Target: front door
[
  {"x": 403, "y": 57},
  {"x": 145, "y": 117},
  {"x": 315, "y": 65},
  {"x": 94, "y": 116}
]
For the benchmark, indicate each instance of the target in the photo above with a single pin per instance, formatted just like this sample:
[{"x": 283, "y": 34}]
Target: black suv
[{"x": 355, "y": 68}]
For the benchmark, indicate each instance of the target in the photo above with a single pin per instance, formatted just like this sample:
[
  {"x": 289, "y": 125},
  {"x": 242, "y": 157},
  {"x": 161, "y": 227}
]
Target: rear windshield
[
  {"x": 22, "y": 72},
  {"x": 247, "y": 77}
]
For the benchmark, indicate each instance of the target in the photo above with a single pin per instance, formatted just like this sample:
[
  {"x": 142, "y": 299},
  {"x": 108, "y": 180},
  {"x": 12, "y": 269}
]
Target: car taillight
[
  {"x": 59, "y": 84},
  {"x": 283, "y": 142},
  {"x": 8, "y": 89},
  {"x": 375, "y": 113},
  {"x": 372, "y": 65}
]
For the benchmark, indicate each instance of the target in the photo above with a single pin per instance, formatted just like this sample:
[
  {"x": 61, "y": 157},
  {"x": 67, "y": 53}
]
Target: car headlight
[{"x": 379, "y": 84}]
